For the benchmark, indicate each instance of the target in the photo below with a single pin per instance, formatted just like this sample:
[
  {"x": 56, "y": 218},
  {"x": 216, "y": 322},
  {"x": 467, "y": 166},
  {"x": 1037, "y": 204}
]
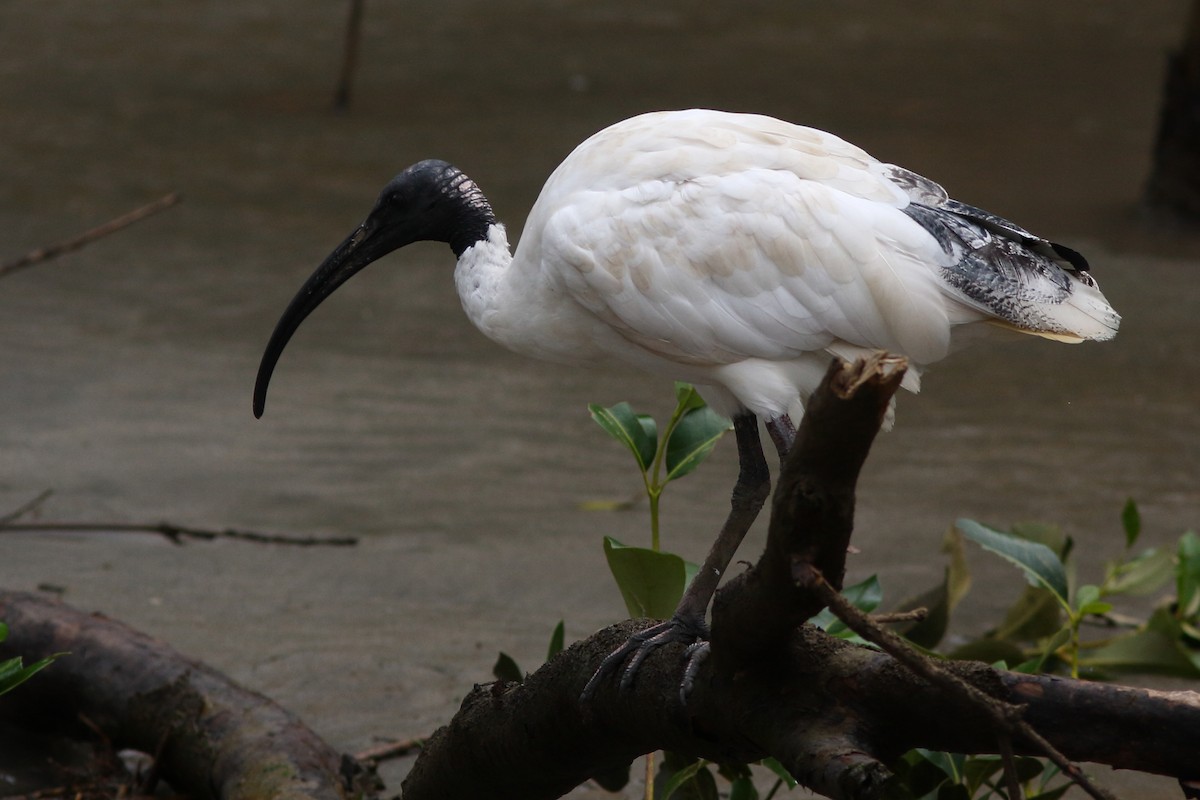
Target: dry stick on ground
[
  {"x": 831, "y": 712},
  {"x": 25, "y": 508},
  {"x": 99, "y": 232},
  {"x": 177, "y": 533}
]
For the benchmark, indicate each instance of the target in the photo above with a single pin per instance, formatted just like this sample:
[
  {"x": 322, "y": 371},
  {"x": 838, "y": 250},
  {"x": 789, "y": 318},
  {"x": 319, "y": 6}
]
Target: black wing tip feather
[
  {"x": 1072, "y": 257},
  {"x": 1010, "y": 230}
]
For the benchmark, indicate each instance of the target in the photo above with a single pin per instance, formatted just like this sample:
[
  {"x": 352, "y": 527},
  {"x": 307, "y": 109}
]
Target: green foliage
[
  {"x": 1041, "y": 631},
  {"x": 13, "y": 673},
  {"x": 1047, "y": 621},
  {"x": 651, "y": 581},
  {"x": 690, "y": 435},
  {"x": 506, "y": 668},
  {"x": 557, "y": 639},
  {"x": 1040, "y": 564},
  {"x": 931, "y": 775},
  {"x": 684, "y": 777}
]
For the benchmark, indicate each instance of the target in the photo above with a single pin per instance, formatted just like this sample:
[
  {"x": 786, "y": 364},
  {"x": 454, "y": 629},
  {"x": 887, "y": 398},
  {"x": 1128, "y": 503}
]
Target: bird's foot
[{"x": 685, "y": 629}]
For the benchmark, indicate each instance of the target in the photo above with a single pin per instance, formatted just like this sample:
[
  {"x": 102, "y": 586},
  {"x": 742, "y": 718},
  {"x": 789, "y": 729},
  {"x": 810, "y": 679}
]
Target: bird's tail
[
  {"x": 1083, "y": 314},
  {"x": 1018, "y": 280}
]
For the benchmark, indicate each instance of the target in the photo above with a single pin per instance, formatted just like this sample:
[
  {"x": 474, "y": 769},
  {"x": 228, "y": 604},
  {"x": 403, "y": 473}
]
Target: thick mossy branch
[
  {"x": 215, "y": 739},
  {"x": 832, "y": 711}
]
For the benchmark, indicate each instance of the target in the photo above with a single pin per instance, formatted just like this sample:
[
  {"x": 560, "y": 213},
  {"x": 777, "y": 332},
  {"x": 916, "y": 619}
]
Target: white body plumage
[{"x": 740, "y": 252}]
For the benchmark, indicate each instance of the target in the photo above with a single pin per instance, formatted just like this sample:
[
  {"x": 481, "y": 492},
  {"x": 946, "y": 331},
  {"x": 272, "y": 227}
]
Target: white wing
[{"x": 742, "y": 237}]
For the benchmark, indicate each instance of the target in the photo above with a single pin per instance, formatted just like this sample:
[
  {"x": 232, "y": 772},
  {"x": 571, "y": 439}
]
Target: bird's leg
[
  {"x": 687, "y": 624},
  {"x": 749, "y": 493},
  {"x": 783, "y": 434}
]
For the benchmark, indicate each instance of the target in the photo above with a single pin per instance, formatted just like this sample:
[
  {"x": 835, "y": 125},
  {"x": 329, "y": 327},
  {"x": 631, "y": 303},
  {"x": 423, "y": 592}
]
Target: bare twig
[
  {"x": 1005, "y": 715},
  {"x": 1009, "y": 759},
  {"x": 54, "y": 250},
  {"x": 25, "y": 508},
  {"x": 341, "y": 97},
  {"x": 389, "y": 750},
  {"x": 916, "y": 615},
  {"x": 177, "y": 533}
]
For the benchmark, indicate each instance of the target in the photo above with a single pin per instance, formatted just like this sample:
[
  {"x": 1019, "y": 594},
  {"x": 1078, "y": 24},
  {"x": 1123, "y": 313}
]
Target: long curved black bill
[{"x": 357, "y": 251}]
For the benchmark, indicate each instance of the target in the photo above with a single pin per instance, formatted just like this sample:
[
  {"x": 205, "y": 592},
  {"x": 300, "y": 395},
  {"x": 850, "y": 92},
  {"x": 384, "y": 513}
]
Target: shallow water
[{"x": 128, "y": 366}]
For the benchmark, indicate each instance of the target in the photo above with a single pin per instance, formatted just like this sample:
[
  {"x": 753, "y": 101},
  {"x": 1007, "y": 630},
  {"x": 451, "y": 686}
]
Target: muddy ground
[{"x": 126, "y": 368}]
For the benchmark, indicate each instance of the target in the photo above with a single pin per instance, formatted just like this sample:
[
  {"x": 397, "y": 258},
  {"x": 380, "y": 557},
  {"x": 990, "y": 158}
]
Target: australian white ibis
[{"x": 734, "y": 251}]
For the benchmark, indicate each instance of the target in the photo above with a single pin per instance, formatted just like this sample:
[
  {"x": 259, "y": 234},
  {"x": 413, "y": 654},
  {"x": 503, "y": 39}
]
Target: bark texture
[{"x": 214, "y": 738}]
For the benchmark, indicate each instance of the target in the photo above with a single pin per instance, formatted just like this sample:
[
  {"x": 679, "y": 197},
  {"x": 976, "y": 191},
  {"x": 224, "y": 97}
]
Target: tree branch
[
  {"x": 833, "y": 713},
  {"x": 217, "y": 740},
  {"x": 59, "y": 248},
  {"x": 177, "y": 533}
]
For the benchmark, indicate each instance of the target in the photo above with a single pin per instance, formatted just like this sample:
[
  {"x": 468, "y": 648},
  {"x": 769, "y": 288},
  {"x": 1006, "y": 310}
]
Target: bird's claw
[{"x": 638, "y": 647}]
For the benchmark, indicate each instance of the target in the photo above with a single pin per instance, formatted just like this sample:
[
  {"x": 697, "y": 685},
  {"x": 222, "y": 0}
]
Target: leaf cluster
[{"x": 12, "y": 671}]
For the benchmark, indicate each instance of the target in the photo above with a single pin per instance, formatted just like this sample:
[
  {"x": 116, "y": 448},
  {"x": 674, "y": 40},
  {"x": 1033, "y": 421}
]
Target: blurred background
[{"x": 126, "y": 368}]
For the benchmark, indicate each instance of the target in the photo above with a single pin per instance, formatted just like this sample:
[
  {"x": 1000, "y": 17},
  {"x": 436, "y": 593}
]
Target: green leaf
[
  {"x": 1087, "y": 594},
  {"x": 1156, "y": 648},
  {"x": 941, "y": 600},
  {"x": 929, "y": 631},
  {"x": 1142, "y": 575},
  {"x": 679, "y": 778},
  {"x": 693, "y": 439},
  {"x": 958, "y": 578},
  {"x": 3, "y": 631},
  {"x": 950, "y": 763},
  {"x": 556, "y": 640},
  {"x": 1131, "y": 521},
  {"x": 506, "y": 669},
  {"x": 685, "y": 777},
  {"x": 1187, "y": 576},
  {"x": 1029, "y": 768},
  {"x": 780, "y": 772},
  {"x": 1098, "y": 608},
  {"x": 929, "y": 771},
  {"x": 650, "y": 582},
  {"x": 1039, "y": 563},
  {"x": 978, "y": 769},
  {"x": 1035, "y": 614},
  {"x": 12, "y": 674},
  {"x": 1046, "y": 533},
  {"x": 690, "y": 773},
  {"x": 636, "y": 431},
  {"x": 742, "y": 789},
  {"x": 687, "y": 398},
  {"x": 1049, "y": 648}
]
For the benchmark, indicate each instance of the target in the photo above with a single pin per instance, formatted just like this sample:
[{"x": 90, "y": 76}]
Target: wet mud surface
[{"x": 126, "y": 368}]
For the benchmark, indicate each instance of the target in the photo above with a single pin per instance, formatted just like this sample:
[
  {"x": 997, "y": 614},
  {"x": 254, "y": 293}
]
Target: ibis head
[{"x": 430, "y": 201}]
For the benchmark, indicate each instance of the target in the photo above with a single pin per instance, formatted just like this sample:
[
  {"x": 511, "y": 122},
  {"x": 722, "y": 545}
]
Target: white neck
[{"x": 480, "y": 280}]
